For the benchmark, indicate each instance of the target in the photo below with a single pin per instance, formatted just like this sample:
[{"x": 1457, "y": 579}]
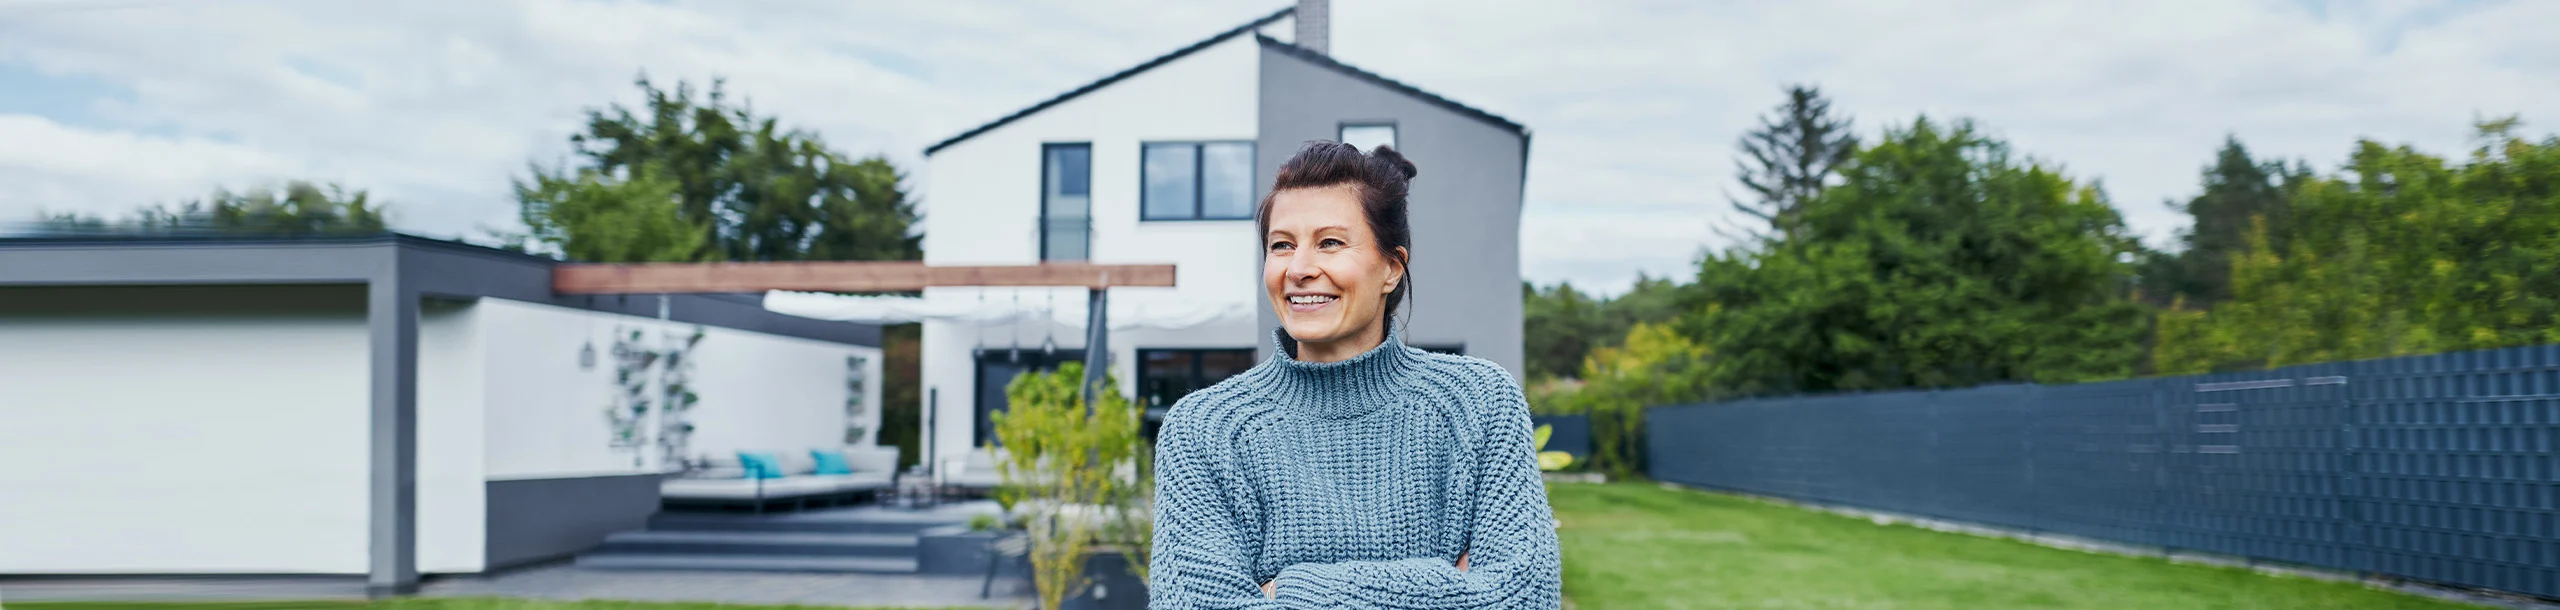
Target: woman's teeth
[{"x": 1309, "y": 299}]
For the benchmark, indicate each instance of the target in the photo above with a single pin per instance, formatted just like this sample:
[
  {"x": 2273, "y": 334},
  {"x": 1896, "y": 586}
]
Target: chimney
[{"x": 1315, "y": 23}]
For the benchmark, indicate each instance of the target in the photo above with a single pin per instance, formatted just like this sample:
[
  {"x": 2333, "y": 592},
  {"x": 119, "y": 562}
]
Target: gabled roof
[
  {"x": 1108, "y": 80},
  {"x": 1322, "y": 60}
]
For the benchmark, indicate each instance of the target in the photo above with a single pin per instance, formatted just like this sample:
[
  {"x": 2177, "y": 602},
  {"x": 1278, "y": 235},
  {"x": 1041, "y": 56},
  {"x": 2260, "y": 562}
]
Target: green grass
[
  {"x": 414, "y": 604},
  {"x": 1639, "y": 545}
]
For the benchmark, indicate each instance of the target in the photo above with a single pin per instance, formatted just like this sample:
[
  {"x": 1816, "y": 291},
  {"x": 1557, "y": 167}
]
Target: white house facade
[{"x": 1164, "y": 163}]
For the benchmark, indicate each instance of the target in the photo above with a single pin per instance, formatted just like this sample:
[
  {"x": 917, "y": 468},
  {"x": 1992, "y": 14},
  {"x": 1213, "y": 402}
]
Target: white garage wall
[
  {"x": 546, "y": 416},
  {"x": 452, "y": 489},
  {"x": 195, "y": 430},
  {"x": 206, "y": 430}
]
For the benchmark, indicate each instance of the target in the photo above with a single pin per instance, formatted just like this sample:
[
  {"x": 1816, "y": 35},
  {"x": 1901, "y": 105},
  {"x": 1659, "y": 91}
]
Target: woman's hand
[{"x": 1462, "y": 562}]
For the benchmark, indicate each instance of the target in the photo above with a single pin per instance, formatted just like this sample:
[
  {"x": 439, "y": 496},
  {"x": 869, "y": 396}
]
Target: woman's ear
[{"x": 1401, "y": 259}]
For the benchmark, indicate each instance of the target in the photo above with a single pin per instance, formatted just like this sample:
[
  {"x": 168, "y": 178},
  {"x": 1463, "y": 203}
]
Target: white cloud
[{"x": 1636, "y": 105}]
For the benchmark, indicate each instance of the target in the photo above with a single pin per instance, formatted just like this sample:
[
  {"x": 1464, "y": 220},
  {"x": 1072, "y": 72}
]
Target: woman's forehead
[{"x": 1307, "y": 209}]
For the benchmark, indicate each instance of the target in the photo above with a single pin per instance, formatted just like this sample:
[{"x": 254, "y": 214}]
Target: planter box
[{"x": 1113, "y": 588}]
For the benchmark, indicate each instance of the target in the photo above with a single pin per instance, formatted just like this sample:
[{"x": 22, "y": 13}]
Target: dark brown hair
[{"x": 1381, "y": 176}]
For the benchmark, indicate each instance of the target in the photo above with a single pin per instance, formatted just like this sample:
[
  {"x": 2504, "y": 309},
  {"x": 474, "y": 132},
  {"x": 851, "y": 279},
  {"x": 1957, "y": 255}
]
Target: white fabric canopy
[{"x": 998, "y": 309}]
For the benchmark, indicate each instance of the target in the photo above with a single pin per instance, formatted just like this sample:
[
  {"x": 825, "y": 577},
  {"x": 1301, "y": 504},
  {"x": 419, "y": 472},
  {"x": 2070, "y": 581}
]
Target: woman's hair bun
[{"x": 1395, "y": 159}]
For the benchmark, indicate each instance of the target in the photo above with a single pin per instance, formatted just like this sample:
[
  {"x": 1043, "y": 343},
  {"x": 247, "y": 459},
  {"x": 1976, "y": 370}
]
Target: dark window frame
[
  {"x": 1043, "y": 227},
  {"x": 1390, "y": 124},
  {"x": 1199, "y": 181},
  {"x": 1192, "y": 361}
]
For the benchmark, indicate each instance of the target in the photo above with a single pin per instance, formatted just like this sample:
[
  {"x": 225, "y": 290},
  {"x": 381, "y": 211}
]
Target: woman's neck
[{"x": 1359, "y": 342}]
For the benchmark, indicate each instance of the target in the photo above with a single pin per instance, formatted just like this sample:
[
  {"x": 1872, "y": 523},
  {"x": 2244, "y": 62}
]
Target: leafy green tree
[
  {"x": 1558, "y": 326},
  {"x": 1938, "y": 261},
  {"x": 1562, "y": 324},
  {"x": 2401, "y": 254},
  {"x": 299, "y": 208},
  {"x": 2238, "y": 192},
  {"x": 591, "y": 217},
  {"x": 1793, "y": 155},
  {"x": 749, "y": 189},
  {"x": 1653, "y": 365}
]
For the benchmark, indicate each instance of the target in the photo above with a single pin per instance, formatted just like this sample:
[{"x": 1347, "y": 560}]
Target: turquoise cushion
[
  {"x": 830, "y": 462},
  {"x": 760, "y": 465}
]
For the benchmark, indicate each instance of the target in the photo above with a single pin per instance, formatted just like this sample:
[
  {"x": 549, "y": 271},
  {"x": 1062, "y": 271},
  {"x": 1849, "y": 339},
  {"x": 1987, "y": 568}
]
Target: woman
[{"x": 1348, "y": 470}]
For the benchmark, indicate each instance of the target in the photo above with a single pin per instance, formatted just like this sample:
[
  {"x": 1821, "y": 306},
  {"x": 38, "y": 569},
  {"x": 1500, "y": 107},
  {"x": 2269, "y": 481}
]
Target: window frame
[
  {"x": 1192, "y": 361},
  {"x": 1397, "y": 142},
  {"x": 1042, "y": 226},
  {"x": 1199, "y": 181}
]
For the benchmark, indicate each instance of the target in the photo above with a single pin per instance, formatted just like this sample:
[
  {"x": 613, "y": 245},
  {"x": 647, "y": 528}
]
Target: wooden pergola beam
[{"x": 841, "y": 276}]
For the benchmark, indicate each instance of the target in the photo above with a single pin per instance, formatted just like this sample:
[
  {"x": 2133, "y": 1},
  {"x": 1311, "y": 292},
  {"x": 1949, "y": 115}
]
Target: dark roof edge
[
  {"x": 1323, "y": 60},
  {"x": 1108, "y": 80}
]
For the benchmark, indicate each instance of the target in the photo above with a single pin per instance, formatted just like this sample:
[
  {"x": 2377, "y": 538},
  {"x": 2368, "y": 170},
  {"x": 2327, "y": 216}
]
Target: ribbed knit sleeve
[
  {"x": 1202, "y": 558},
  {"x": 1512, "y": 556}
]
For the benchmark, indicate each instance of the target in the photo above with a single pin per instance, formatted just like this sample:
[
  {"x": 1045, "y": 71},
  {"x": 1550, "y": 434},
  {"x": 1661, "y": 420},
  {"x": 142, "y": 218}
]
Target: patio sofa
[
  {"x": 975, "y": 474},
  {"x": 724, "y": 484}
]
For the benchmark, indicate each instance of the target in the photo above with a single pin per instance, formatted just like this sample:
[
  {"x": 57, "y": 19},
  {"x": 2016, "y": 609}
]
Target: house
[
  {"x": 1164, "y": 163},
  {"x": 357, "y": 410}
]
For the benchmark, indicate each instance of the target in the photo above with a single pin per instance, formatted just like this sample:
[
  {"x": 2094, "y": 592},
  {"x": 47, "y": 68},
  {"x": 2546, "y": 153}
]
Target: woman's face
[{"x": 1324, "y": 272}]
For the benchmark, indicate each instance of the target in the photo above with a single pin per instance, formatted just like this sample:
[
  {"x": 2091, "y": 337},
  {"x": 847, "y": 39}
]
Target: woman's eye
[
  {"x": 1281, "y": 245},
  {"x": 1330, "y": 243}
]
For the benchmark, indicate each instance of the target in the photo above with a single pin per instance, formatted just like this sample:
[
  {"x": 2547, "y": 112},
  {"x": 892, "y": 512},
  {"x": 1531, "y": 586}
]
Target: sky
[{"x": 434, "y": 106}]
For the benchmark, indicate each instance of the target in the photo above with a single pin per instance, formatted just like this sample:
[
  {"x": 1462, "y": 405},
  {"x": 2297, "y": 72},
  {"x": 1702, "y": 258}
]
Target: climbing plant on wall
[
  {"x": 638, "y": 367},
  {"x": 675, "y": 386},
  {"x": 632, "y": 360},
  {"x": 857, "y": 373}
]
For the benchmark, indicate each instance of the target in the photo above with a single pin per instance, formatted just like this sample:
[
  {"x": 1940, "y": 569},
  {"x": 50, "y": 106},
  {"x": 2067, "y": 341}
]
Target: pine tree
[{"x": 1793, "y": 155}]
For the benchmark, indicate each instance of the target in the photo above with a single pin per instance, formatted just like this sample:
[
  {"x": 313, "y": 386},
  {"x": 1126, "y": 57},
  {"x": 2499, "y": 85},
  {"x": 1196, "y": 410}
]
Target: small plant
[
  {"x": 1550, "y": 460},
  {"x": 983, "y": 522},
  {"x": 1074, "y": 476}
]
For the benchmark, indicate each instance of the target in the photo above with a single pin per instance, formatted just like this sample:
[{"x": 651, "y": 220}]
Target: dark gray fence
[
  {"x": 2437, "y": 468},
  {"x": 1570, "y": 434}
]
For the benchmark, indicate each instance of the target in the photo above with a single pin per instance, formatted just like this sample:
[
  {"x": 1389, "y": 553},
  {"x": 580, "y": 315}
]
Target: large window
[
  {"x": 1066, "y": 202},
  {"x": 1165, "y": 375},
  {"x": 1368, "y": 136},
  {"x": 1196, "y": 181}
]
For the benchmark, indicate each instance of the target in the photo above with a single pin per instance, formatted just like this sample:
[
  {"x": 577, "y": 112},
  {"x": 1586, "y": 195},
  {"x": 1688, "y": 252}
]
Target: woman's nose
[{"x": 1302, "y": 267}]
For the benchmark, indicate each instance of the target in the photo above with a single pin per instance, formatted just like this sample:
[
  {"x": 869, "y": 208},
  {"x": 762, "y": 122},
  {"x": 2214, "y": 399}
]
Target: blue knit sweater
[{"x": 1353, "y": 484}]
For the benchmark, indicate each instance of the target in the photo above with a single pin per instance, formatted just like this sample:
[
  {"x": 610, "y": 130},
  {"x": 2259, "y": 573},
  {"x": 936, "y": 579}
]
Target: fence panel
[
  {"x": 2454, "y": 468},
  {"x": 2439, "y": 468}
]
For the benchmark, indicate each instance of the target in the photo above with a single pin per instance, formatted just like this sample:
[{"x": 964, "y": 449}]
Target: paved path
[{"x": 565, "y": 582}]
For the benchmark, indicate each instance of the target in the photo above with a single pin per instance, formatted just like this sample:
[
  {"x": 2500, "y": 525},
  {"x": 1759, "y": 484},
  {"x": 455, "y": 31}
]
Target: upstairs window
[
  {"x": 1196, "y": 181},
  {"x": 1367, "y": 136},
  {"x": 1066, "y": 202}
]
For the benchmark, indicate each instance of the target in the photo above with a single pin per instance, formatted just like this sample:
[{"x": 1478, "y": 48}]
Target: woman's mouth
[{"x": 1310, "y": 302}]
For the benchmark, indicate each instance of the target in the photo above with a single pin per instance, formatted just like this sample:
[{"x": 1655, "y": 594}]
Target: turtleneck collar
[{"x": 1338, "y": 390}]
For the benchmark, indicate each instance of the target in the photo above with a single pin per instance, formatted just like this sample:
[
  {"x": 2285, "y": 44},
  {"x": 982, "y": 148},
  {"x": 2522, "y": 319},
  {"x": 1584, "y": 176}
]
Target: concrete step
[
  {"x": 747, "y": 563},
  {"x": 761, "y": 543},
  {"x": 873, "y": 523}
]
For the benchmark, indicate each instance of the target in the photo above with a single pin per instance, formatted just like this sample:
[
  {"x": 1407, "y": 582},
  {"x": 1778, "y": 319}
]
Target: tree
[
  {"x": 2238, "y": 192},
  {"x": 1652, "y": 366},
  {"x": 299, "y": 208},
  {"x": 592, "y": 217},
  {"x": 1792, "y": 157},
  {"x": 2403, "y": 254},
  {"x": 747, "y": 188},
  {"x": 1938, "y": 261},
  {"x": 1562, "y": 325}
]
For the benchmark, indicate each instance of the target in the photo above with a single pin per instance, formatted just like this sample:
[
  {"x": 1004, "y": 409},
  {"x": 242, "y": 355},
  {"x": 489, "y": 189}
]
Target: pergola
[{"x": 874, "y": 276}]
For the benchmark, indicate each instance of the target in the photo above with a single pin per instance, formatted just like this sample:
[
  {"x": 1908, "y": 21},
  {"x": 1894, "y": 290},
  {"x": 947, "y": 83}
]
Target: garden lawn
[
  {"x": 415, "y": 604},
  {"x": 1641, "y": 545}
]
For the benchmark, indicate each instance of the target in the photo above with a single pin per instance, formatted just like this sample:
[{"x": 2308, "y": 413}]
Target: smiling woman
[{"x": 1349, "y": 470}]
